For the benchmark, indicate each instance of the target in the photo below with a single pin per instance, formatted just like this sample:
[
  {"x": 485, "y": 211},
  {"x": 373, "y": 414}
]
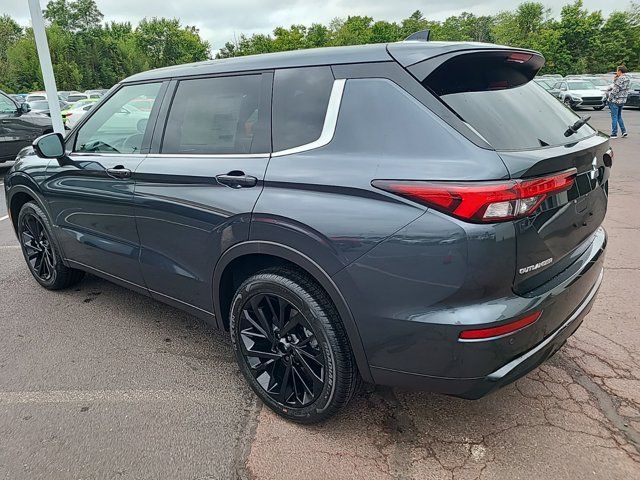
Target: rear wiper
[{"x": 576, "y": 126}]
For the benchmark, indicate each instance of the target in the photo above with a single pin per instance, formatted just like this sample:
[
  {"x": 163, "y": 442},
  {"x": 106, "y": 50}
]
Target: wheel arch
[
  {"x": 21, "y": 193},
  {"x": 270, "y": 252}
]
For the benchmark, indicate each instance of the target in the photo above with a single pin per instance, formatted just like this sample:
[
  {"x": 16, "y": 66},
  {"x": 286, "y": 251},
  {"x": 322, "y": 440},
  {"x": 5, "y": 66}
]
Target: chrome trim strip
[
  {"x": 105, "y": 154},
  {"x": 102, "y": 272},
  {"x": 181, "y": 302},
  {"x": 509, "y": 367},
  {"x": 89, "y": 268},
  {"x": 209, "y": 155},
  {"x": 328, "y": 131},
  {"x": 330, "y": 121}
]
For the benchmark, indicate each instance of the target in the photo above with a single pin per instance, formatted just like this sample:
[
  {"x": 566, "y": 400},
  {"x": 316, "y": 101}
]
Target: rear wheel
[
  {"x": 291, "y": 345},
  {"x": 40, "y": 253}
]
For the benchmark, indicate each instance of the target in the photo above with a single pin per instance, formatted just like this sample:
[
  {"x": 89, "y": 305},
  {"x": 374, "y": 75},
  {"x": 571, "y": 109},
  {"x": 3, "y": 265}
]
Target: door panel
[
  {"x": 93, "y": 212},
  {"x": 195, "y": 196},
  {"x": 186, "y": 219},
  {"x": 91, "y": 193}
]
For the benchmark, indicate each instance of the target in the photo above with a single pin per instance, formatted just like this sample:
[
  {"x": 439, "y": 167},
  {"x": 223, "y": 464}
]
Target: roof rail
[{"x": 421, "y": 36}]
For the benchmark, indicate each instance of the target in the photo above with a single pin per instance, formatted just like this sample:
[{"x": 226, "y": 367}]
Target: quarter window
[
  {"x": 300, "y": 100},
  {"x": 118, "y": 126},
  {"x": 219, "y": 115}
]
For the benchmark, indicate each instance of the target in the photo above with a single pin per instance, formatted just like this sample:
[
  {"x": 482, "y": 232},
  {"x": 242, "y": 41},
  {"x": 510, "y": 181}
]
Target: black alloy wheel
[
  {"x": 291, "y": 345},
  {"x": 281, "y": 350},
  {"x": 37, "y": 247},
  {"x": 40, "y": 252}
]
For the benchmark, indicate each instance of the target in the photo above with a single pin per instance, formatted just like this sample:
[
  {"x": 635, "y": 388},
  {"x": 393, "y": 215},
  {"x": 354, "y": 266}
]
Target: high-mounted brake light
[
  {"x": 484, "y": 202},
  {"x": 519, "y": 57},
  {"x": 501, "y": 330}
]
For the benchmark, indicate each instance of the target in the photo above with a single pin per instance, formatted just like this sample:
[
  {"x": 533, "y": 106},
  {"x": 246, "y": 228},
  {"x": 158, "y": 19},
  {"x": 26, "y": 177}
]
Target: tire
[
  {"x": 567, "y": 102},
  {"x": 40, "y": 251},
  {"x": 298, "y": 332}
]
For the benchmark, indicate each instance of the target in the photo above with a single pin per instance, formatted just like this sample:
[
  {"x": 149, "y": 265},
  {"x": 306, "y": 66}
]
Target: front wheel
[
  {"x": 291, "y": 345},
  {"x": 40, "y": 252},
  {"x": 568, "y": 104}
]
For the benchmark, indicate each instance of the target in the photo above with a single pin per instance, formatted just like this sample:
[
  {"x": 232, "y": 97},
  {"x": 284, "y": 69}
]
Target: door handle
[
  {"x": 119, "y": 172},
  {"x": 237, "y": 179}
]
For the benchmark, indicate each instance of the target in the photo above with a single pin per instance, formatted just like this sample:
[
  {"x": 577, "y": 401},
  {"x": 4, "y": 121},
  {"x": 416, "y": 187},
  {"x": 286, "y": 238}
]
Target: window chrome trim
[
  {"x": 106, "y": 154},
  {"x": 328, "y": 131},
  {"x": 209, "y": 155},
  {"x": 329, "y": 126}
]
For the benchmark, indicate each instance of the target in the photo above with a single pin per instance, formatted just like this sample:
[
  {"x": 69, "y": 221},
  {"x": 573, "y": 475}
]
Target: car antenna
[{"x": 421, "y": 36}]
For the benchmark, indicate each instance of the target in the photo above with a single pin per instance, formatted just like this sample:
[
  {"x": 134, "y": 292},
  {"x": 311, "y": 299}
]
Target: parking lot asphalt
[{"x": 99, "y": 382}]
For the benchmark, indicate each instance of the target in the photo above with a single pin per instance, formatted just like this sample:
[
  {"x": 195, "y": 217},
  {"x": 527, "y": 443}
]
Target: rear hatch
[{"x": 493, "y": 93}]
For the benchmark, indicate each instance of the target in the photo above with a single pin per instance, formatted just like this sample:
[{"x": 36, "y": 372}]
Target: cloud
[{"x": 219, "y": 21}]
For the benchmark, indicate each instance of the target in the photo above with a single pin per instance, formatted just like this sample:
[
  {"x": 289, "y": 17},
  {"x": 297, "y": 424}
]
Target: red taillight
[
  {"x": 501, "y": 330},
  {"x": 482, "y": 201}
]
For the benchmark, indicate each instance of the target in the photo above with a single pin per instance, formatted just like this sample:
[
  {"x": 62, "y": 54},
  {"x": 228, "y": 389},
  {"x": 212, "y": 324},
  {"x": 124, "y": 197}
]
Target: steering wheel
[{"x": 132, "y": 143}]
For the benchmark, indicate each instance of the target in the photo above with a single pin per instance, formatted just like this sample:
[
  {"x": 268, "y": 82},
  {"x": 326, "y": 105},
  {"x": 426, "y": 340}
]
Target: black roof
[{"x": 406, "y": 53}]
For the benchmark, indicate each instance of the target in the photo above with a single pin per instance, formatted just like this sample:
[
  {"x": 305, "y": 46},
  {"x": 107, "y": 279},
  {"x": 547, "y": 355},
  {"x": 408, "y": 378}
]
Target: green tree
[
  {"x": 354, "y": 30},
  {"x": 75, "y": 15},
  {"x": 166, "y": 42}
]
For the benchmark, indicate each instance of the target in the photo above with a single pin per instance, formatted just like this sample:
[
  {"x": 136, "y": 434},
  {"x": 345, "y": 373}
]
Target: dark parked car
[
  {"x": 19, "y": 127},
  {"x": 395, "y": 213},
  {"x": 633, "y": 100}
]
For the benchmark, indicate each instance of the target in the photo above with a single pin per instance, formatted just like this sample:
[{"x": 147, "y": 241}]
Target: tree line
[
  {"x": 579, "y": 41},
  {"x": 88, "y": 53}
]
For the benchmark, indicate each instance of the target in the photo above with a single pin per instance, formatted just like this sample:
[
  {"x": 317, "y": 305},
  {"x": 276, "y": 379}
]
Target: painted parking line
[
  {"x": 4, "y": 218},
  {"x": 117, "y": 396}
]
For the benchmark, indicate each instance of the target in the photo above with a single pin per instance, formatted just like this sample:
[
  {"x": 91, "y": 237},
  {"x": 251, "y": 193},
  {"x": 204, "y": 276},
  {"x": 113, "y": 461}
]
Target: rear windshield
[{"x": 523, "y": 117}]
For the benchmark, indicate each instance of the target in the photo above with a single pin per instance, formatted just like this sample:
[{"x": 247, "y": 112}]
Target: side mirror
[
  {"x": 50, "y": 145},
  {"x": 24, "y": 108}
]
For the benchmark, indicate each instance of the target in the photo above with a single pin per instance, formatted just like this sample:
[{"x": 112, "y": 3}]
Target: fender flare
[
  {"x": 311, "y": 267},
  {"x": 34, "y": 192}
]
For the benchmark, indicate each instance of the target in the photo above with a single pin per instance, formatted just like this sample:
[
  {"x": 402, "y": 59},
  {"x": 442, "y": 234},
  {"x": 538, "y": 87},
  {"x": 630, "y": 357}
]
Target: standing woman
[{"x": 617, "y": 97}]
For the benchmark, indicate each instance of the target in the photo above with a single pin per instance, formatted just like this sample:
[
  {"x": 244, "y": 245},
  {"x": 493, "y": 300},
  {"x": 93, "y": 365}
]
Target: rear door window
[
  {"x": 220, "y": 115},
  {"x": 300, "y": 100}
]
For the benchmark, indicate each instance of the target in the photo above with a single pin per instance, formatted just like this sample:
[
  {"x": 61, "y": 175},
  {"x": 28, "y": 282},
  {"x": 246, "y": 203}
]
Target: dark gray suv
[{"x": 415, "y": 214}]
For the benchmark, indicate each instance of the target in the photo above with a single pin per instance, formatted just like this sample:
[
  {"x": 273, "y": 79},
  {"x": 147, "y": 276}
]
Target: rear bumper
[
  {"x": 474, "y": 388},
  {"x": 565, "y": 301}
]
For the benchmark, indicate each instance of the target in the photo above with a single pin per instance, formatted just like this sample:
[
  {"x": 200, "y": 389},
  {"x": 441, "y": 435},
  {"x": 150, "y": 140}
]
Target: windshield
[
  {"x": 583, "y": 85},
  {"x": 39, "y": 105},
  {"x": 524, "y": 117},
  {"x": 599, "y": 82}
]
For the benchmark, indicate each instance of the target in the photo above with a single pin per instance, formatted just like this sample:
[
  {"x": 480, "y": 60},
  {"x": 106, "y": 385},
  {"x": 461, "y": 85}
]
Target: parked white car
[
  {"x": 579, "y": 93},
  {"x": 73, "y": 115}
]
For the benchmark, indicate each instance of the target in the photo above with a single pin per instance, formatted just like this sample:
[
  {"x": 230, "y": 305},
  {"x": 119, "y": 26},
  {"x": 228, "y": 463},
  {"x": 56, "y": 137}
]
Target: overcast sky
[{"x": 219, "y": 21}]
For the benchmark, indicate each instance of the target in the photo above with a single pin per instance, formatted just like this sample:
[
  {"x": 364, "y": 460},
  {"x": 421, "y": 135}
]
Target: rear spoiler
[{"x": 472, "y": 67}]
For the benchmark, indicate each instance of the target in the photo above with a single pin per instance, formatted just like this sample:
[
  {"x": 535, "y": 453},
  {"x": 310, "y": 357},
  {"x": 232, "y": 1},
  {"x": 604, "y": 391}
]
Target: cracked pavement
[{"x": 99, "y": 382}]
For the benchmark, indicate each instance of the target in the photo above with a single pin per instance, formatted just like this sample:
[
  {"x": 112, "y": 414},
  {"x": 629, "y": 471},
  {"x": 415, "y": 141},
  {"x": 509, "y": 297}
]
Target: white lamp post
[{"x": 45, "y": 65}]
